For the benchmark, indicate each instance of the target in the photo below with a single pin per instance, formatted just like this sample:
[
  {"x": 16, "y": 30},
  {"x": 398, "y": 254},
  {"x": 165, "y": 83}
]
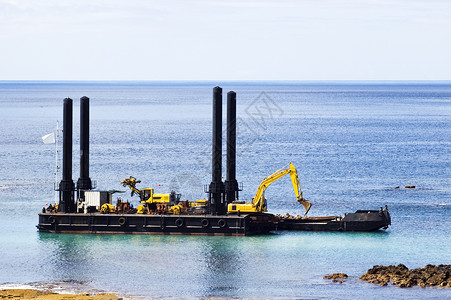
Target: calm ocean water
[{"x": 352, "y": 144}]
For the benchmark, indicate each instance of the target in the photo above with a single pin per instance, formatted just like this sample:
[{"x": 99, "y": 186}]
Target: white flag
[{"x": 49, "y": 138}]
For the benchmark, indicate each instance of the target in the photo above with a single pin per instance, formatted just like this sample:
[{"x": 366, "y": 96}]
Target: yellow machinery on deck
[
  {"x": 259, "y": 202},
  {"x": 148, "y": 195},
  {"x": 107, "y": 208}
]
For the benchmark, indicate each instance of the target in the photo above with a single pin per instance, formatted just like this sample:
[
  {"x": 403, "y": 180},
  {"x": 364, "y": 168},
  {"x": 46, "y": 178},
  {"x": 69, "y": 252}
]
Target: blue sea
[{"x": 353, "y": 144}]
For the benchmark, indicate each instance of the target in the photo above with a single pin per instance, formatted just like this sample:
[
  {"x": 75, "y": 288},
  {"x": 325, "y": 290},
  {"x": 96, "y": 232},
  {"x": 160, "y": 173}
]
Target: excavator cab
[
  {"x": 264, "y": 204},
  {"x": 146, "y": 194}
]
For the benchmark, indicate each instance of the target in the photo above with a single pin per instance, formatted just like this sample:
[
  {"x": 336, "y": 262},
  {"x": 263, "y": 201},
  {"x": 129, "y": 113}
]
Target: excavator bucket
[{"x": 306, "y": 204}]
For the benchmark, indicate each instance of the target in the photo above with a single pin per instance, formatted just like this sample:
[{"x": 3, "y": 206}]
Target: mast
[
  {"x": 84, "y": 183},
  {"x": 56, "y": 162},
  {"x": 67, "y": 186},
  {"x": 216, "y": 190}
]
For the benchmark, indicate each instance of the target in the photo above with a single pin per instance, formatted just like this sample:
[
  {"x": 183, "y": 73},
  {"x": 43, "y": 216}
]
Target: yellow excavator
[
  {"x": 259, "y": 202},
  {"x": 148, "y": 195}
]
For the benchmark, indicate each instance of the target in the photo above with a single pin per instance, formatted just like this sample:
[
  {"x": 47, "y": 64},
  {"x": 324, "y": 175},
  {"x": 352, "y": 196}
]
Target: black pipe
[
  {"x": 217, "y": 186},
  {"x": 67, "y": 186},
  {"x": 84, "y": 182},
  {"x": 231, "y": 185}
]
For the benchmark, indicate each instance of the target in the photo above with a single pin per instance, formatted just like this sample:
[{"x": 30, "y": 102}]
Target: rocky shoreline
[{"x": 400, "y": 275}]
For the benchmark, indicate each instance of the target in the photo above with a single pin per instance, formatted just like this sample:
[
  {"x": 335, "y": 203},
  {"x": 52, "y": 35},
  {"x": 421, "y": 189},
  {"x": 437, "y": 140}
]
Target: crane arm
[
  {"x": 259, "y": 199},
  {"x": 131, "y": 183}
]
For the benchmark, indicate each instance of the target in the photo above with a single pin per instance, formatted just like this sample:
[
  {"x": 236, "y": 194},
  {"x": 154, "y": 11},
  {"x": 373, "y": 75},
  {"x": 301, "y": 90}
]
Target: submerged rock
[
  {"x": 401, "y": 276},
  {"x": 336, "y": 277}
]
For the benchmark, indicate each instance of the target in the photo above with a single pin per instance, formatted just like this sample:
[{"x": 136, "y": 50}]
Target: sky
[{"x": 225, "y": 40}]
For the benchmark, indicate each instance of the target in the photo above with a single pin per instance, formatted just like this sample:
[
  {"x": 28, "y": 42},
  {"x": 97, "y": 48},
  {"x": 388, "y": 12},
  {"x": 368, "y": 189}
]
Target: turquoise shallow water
[{"x": 352, "y": 143}]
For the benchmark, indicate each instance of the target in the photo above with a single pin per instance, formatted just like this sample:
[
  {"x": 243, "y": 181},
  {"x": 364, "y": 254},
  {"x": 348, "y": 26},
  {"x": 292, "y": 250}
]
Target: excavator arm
[
  {"x": 297, "y": 189},
  {"x": 131, "y": 183},
  {"x": 259, "y": 201}
]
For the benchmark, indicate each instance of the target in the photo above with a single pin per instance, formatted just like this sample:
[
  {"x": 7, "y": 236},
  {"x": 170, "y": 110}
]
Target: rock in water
[
  {"x": 401, "y": 276},
  {"x": 336, "y": 277}
]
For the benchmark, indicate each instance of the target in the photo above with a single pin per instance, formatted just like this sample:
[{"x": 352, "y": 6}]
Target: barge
[
  {"x": 222, "y": 214},
  {"x": 229, "y": 225},
  {"x": 361, "y": 220}
]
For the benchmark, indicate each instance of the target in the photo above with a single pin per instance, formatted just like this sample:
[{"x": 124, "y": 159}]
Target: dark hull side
[
  {"x": 232, "y": 225},
  {"x": 361, "y": 220},
  {"x": 96, "y": 223}
]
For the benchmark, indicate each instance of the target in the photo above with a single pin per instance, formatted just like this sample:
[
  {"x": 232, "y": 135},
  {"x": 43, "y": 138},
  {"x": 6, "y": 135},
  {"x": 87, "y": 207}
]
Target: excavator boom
[
  {"x": 259, "y": 199},
  {"x": 259, "y": 202}
]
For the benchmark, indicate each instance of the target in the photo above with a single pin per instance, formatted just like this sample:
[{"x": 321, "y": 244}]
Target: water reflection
[
  {"x": 67, "y": 256},
  {"x": 288, "y": 265},
  {"x": 222, "y": 266},
  {"x": 155, "y": 265}
]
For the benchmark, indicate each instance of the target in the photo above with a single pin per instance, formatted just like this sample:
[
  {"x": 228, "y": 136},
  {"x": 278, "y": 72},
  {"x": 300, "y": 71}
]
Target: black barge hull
[
  {"x": 231, "y": 225},
  {"x": 361, "y": 220},
  {"x": 97, "y": 223}
]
